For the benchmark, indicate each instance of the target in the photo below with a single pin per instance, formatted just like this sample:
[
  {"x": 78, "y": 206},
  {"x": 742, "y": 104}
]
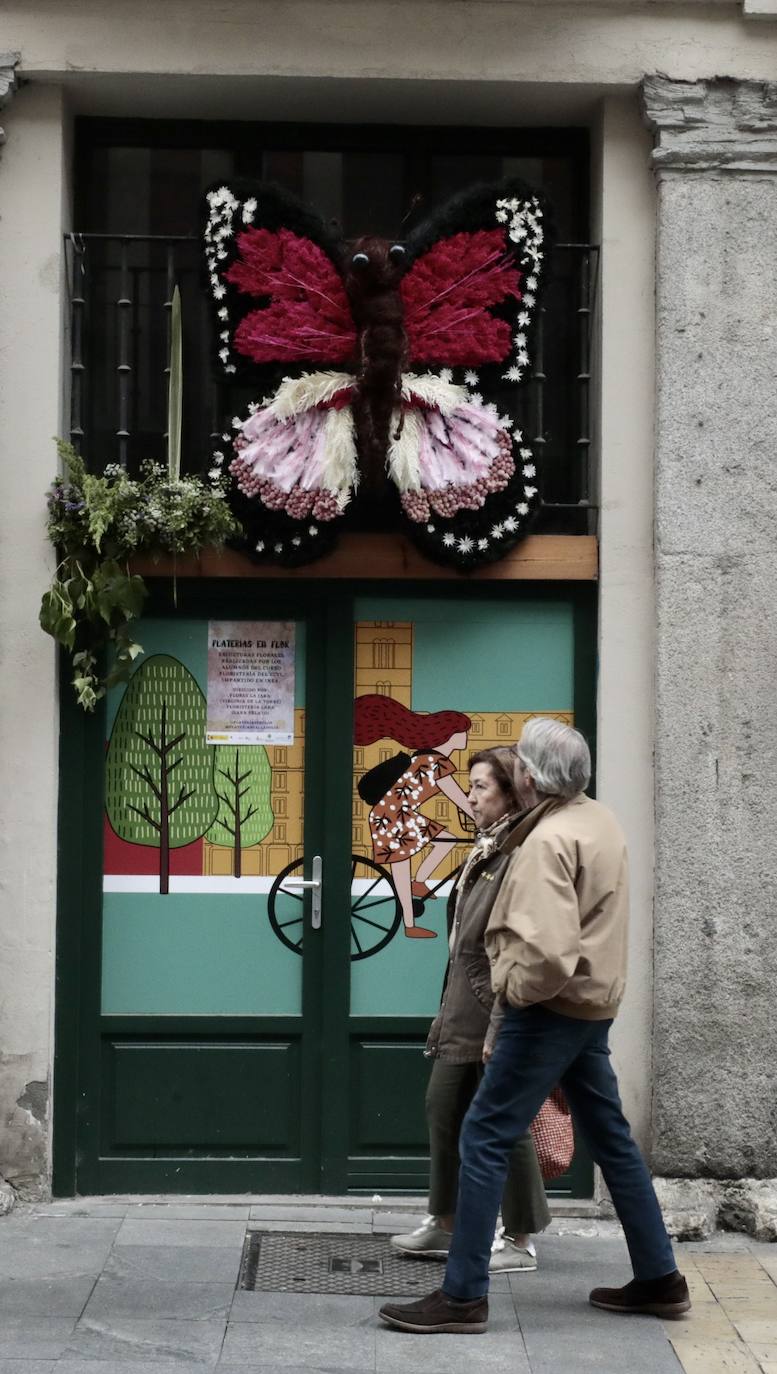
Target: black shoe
[
  {"x": 438, "y": 1313},
  {"x": 664, "y": 1297}
]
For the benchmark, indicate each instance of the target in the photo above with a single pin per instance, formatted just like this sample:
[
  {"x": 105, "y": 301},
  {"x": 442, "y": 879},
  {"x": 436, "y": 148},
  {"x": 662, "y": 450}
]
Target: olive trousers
[{"x": 449, "y": 1093}]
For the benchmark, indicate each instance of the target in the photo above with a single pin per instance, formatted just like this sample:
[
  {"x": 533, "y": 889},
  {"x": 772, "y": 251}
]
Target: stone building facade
[{"x": 681, "y": 104}]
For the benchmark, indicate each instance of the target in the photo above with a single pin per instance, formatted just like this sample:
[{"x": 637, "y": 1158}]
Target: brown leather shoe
[
  {"x": 420, "y": 933},
  {"x": 664, "y": 1297},
  {"x": 438, "y": 1313}
]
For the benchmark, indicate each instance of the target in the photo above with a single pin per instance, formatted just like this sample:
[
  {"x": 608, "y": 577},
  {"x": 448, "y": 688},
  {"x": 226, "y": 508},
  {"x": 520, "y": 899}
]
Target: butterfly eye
[
  {"x": 359, "y": 260},
  {"x": 396, "y": 252}
]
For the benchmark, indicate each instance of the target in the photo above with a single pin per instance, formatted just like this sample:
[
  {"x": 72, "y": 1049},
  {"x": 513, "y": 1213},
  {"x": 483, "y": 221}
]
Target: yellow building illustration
[{"x": 383, "y": 665}]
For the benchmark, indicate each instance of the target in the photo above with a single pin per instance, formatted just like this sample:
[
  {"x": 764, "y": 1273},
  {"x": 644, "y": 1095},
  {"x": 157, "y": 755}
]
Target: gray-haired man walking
[{"x": 557, "y": 944}]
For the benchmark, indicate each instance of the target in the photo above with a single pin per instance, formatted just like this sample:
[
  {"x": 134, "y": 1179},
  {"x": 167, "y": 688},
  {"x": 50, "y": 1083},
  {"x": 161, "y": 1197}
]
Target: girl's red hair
[{"x": 378, "y": 717}]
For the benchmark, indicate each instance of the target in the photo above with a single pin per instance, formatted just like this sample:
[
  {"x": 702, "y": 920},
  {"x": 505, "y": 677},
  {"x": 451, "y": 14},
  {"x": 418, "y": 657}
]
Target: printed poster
[{"x": 250, "y": 682}]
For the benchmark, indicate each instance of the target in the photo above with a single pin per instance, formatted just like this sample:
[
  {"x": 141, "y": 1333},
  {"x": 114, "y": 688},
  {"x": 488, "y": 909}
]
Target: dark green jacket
[{"x": 459, "y": 1028}]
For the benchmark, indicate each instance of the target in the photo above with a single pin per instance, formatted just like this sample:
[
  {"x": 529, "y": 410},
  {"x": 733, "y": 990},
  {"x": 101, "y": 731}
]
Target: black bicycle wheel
[
  {"x": 376, "y": 912},
  {"x": 285, "y": 908}
]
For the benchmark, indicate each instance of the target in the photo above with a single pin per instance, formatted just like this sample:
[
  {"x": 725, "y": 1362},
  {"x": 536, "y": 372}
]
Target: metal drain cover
[{"x": 292, "y": 1262}]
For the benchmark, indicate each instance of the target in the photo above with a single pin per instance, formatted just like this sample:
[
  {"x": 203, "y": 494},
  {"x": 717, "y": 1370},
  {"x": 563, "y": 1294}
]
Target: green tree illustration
[
  {"x": 242, "y": 780},
  {"x": 159, "y": 784}
]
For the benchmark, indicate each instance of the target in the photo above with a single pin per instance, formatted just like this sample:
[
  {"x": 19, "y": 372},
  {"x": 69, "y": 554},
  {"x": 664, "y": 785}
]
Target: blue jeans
[{"x": 535, "y": 1050}]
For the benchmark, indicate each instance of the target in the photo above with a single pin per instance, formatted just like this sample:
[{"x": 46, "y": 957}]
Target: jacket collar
[{"x": 528, "y": 819}]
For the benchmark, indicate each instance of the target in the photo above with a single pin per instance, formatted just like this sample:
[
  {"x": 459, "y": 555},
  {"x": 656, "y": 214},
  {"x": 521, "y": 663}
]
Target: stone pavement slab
[
  {"x": 65, "y": 1297},
  {"x": 34, "y": 1337},
  {"x": 313, "y": 1310},
  {"x": 185, "y": 1263},
  {"x": 316, "y": 1346},
  {"x": 136, "y": 1231},
  {"x": 133, "y": 1339},
  {"x": 149, "y": 1297}
]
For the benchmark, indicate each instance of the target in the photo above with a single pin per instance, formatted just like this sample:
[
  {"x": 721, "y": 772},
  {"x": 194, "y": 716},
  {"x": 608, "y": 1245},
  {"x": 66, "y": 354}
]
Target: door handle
[{"x": 315, "y": 883}]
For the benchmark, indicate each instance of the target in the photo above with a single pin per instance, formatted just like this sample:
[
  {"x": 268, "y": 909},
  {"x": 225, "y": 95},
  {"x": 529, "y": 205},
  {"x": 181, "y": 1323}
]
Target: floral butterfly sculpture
[{"x": 416, "y": 347}]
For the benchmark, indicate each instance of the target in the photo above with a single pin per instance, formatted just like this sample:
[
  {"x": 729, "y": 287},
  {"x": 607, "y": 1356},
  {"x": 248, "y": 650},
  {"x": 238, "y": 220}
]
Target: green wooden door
[{"x": 211, "y": 1035}]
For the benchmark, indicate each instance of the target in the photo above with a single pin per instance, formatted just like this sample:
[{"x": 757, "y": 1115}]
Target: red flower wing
[
  {"x": 307, "y": 318},
  {"x": 447, "y": 294}
]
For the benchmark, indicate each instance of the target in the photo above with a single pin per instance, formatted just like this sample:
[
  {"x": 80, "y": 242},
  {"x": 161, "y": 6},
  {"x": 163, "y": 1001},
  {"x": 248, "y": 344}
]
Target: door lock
[{"x": 315, "y": 883}]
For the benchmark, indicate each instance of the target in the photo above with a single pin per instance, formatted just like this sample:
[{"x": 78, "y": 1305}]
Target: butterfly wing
[
  {"x": 465, "y": 474},
  {"x": 275, "y": 278}
]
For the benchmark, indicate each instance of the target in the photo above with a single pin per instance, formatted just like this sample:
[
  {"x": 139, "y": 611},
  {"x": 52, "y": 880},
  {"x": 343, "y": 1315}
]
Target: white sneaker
[
  {"x": 428, "y": 1241},
  {"x": 509, "y": 1258}
]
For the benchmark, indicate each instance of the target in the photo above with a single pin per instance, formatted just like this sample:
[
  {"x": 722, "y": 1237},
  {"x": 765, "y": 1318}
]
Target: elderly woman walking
[{"x": 462, "y": 1032}]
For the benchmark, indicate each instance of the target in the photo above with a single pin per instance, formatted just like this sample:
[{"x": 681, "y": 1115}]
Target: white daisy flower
[
  {"x": 260, "y": 546},
  {"x": 230, "y": 367},
  {"x": 219, "y": 292},
  {"x": 511, "y": 524},
  {"x": 522, "y": 509},
  {"x": 278, "y": 548},
  {"x": 497, "y": 531},
  {"x": 482, "y": 543},
  {"x": 224, "y": 355},
  {"x": 214, "y": 474},
  {"x": 471, "y": 378},
  {"x": 465, "y": 545},
  {"x": 448, "y": 540},
  {"x": 529, "y": 470},
  {"x": 513, "y": 374},
  {"x": 530, "y": 491},
  {"x": 313, "y": 529}
]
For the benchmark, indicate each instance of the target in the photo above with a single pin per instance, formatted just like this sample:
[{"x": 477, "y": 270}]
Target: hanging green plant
[{"x": 96, "y": 523}]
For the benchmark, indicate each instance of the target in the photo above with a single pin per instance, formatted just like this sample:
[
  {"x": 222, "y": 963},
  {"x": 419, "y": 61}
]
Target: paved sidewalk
[{"x": 114, "y": 1286}]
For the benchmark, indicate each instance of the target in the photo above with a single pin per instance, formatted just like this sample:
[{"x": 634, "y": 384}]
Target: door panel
[
  {"x": 207, "y": 1063},
  {"x": 223, "y": 1043},
  {"x": 495, "y": 663}
]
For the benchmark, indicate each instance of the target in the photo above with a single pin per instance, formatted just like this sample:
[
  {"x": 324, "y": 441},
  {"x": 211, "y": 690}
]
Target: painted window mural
[
  {"x": 204, "y": 841},
  {"x": 195, "y": 837},
  {"x": 433, "y": 684}
]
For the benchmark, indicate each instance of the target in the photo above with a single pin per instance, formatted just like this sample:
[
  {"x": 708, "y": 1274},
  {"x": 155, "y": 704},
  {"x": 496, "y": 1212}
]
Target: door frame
[{"x": 328, "y": 608}]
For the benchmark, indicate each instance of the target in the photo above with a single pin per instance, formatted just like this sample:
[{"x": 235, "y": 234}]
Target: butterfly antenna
[{"x": 416, "y": 200}]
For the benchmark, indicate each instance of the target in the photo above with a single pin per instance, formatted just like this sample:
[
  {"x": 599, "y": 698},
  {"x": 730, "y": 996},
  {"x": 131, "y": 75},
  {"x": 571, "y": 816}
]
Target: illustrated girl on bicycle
[{"x": 396, "y": 789}]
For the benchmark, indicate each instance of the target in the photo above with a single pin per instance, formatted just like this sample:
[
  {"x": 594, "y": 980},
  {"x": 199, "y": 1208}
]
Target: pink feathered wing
[
  {"x": 447, "y": 294},
  {"x": 307, "y": 317}
]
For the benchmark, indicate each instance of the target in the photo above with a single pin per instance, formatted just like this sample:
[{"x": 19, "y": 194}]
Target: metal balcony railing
[{"x": 120, "y": 298}]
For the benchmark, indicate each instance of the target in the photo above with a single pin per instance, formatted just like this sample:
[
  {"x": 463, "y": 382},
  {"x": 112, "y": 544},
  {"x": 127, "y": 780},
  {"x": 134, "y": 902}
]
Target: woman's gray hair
[{"x": 557, "y": 757}]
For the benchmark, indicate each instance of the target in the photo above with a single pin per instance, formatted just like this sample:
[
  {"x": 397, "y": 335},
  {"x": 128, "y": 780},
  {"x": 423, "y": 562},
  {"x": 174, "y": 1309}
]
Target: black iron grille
[{"x": 291, "y": 1262}]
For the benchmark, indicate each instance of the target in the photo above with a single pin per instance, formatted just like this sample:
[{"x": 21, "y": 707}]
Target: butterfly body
[
  {"x": 372, "y": 283},
  {"x": 398, "y": 331}
]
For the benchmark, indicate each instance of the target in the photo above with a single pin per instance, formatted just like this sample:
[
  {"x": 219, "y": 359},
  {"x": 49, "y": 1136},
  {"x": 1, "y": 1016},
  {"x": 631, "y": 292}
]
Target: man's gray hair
[{"x": 557, "y": 757}]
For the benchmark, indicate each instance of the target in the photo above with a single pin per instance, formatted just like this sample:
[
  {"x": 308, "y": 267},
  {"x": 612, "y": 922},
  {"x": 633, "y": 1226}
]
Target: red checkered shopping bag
[{"x": 554, "y": 1139}]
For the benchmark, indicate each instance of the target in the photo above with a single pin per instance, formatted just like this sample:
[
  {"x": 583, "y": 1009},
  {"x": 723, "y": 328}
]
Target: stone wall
[
  {"x": 32, "y": 190},
  {"x": 715, "y": 1030}
]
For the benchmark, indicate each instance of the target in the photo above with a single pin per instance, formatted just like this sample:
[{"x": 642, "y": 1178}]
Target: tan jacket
[{"x": 558, "y": 928}]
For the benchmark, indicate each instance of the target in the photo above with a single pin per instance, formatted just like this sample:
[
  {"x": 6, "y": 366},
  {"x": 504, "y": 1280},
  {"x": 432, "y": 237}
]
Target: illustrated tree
[
  {"x": 242, "y": 780},
  {"x": 159, "y": 779}
]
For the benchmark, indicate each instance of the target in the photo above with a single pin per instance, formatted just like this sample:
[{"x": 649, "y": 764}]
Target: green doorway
[{"x": 213, "y": 1033}]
